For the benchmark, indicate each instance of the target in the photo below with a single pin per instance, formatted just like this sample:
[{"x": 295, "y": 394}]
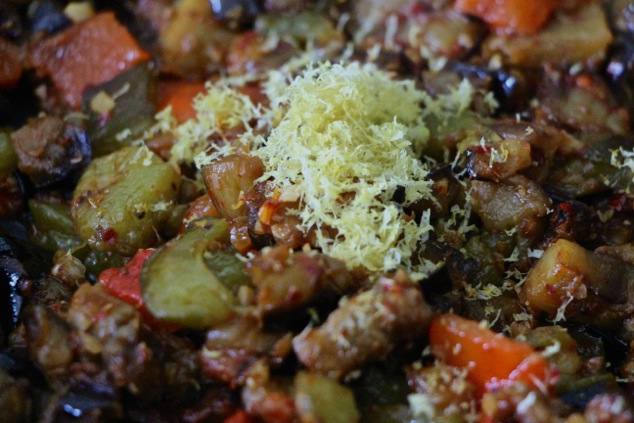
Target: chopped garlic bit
[{"x": 102, "y": 103}]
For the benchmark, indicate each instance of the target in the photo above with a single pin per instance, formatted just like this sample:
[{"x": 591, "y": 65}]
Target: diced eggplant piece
[
  {"x": 285, "y": 280},
  {"x": 582, "y": 104},
  {"x": 120, "y": 109},
  {"x": 320, "y": 399},
  {"x": 365, "y": 328},
  {"x": 578, "y": 37},
  {"x": 121, "y": 200},
  {"x": 512, "y": 89},
  {"x": 48, "y": 340},
  {"x": 234, "y": 344},
  {"x": 192, "y": 43},
  {"x": 15, "y": 402},
  {"x": 178, "y": 286},
  {"x": 517, "y": 202},
  {"x": 499, "y": 160},
  {"x": 229, "y": 178},
  {"x": 49, "y": 149},
  {"x": 570, "y": 282},
  {"x": 11, "y": 274},
  {"x": 11, "y": 196}
]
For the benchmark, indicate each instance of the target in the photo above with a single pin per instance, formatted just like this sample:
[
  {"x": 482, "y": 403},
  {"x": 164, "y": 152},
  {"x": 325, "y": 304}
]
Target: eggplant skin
[{"x": 11, "y": 273}]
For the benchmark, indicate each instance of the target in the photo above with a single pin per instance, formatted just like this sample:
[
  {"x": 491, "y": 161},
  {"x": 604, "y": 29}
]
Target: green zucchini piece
[
  {"x": 54, "y": 229},
  {"x": 133, "y": 93},
  {"x": 321, "y": 399},
  {"x": 179, "y": 287},
  {"x": 123, "y": 199}
]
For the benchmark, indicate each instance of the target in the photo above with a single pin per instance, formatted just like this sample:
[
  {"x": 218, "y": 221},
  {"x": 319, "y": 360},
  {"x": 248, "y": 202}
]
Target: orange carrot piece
[
  {"x": 510, "y": 16},
  {"x": 10, "y": 64},
  {"x": 87, "y": 54},
  {"x": 490, "y": 358},
  {"x": 180, "y": 95}
]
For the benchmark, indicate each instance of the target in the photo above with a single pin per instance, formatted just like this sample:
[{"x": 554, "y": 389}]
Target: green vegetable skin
[
  {"x": 179, "y": 286},
  {"x": 121, "y": 200},
  {"x": 54, "y": 226},
  {"x": 133, "y": 94}
]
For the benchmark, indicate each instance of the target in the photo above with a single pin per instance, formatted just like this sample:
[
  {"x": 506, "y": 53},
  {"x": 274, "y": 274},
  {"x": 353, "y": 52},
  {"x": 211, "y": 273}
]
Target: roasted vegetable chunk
[
  {"x": 49, "y": 149},
  {"x": 569, "y": 281},
  {"x": 119, "y": 202},
  {"x": 179, "y": 286},
  {"x": 229, "y": 178},
  {"x": 365, "y": 328},
  {"x": 286, "y": 280}
]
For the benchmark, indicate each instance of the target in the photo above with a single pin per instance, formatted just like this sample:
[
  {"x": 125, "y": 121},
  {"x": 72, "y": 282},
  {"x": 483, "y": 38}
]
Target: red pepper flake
[
  {"x": 550, "y": 288},
  {"x": 567, "y": 208},
  {"x": 109, "y": 236}
]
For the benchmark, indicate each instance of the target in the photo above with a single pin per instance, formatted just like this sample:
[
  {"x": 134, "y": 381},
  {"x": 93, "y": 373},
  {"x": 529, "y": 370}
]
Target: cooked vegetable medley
[{"x": 317, "y": 211}]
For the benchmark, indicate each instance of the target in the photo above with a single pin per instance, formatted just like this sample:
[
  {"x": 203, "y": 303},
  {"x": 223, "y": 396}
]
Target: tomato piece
[
  {"x": 510, "y": 16},
  {"x": 491, "y": 359},
  {"x": 87, "y": 54},
  {"x": 180, "y": 95},
  {"x": 125, "y": 284}
]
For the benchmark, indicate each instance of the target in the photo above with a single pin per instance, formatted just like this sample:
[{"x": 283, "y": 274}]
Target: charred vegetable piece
[
  {"x": 234, "y": 344},
  {"x": 568, "y": 279},
  {"x": 120, "y": 109},
  {"x": 490, "y": 358},
  {"x": 11, "y": 273},
  {"x": 365, "y": 328},
  {"x": 192, "y": 43},
  {"x": 49, "y": 149},
  {"x": 228, "y": 178},
  {"x": 320, "y": 399},
  {"x": 69, "y": 58},
  {"x": 179, "y": 287},
  {"x": 48, "y": 337},
  {"x": 121, "y": 199},
  {"x": 287, "y": 280}
]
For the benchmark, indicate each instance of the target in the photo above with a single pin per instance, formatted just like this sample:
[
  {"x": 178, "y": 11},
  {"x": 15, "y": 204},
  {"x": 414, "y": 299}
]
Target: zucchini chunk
[
  {"x": 180, "y": 286},
  {"x": 122, "y": 198}
]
